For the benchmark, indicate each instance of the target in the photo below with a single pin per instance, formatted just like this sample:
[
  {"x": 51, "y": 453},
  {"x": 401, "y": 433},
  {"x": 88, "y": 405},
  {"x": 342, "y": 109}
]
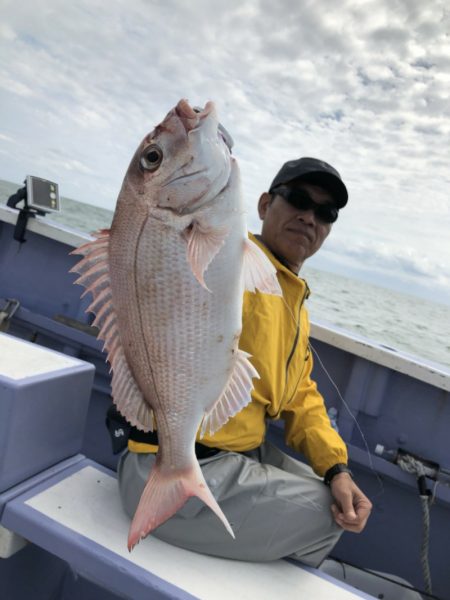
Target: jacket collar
[{"x": 278, "y": 264}]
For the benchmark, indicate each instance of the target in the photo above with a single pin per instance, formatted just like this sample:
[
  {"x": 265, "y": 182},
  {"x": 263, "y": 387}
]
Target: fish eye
[{"x": 151, "y": 157}]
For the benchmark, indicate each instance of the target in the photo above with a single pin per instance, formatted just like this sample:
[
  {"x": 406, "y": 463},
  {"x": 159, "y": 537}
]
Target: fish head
[{"x": 183, "y": 164}]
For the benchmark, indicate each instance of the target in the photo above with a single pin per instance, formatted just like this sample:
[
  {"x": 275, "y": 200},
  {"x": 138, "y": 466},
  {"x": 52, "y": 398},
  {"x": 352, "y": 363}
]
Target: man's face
[{"x": 292, "y": 234}]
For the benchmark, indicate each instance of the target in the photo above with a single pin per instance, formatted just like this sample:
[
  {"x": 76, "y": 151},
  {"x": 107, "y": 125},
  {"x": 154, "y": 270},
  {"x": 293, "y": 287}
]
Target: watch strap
[{"x": 335, "y": 470}]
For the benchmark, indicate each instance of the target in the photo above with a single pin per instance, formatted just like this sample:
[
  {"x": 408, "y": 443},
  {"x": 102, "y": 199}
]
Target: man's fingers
[
  {"x": 347, "y": 507},
  {"x": 351, "y": 508},
  {"x": 355, "y": 528},
  {"x": 363, "y": 505},
  {"x": 341, "y": 518},
  {"x": 356, "y": 525}
]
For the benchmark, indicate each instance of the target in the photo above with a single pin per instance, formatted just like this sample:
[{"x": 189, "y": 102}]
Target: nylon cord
[{"x": 366, "y": 445}]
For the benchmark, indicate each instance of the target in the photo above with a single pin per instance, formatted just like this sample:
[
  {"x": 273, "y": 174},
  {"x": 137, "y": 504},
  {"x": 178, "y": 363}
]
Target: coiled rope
[{"x": 410, "y": 465}]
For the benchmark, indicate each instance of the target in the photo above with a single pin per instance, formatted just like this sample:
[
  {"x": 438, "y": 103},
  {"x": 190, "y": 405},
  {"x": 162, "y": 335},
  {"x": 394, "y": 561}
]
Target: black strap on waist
[{"x": 121, "y": 431}]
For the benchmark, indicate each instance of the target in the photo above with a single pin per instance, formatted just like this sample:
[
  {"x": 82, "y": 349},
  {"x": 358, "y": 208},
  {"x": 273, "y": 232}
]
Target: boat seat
[
  {"x": 44, "y": 400},
  {"x": 73, "y": 510},
  {"x": 54, "y": 497}
]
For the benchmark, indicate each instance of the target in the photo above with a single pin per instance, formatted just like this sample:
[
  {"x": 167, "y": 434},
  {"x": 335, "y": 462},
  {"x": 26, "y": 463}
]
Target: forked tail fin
[{"x": 164, "y": 494}]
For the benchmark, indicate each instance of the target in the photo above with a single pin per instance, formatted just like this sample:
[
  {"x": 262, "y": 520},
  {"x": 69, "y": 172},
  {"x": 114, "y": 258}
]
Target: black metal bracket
[{"x": 25, "y": 213}]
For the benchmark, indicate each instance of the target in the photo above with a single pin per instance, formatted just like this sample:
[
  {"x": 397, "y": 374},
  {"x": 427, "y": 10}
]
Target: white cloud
[
  {"x": 365, "y": 88},
  {"x": 16, "y": 87}
]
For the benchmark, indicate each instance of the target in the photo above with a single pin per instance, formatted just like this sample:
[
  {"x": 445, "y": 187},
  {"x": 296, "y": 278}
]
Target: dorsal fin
[{"x": 93, "y": 269}]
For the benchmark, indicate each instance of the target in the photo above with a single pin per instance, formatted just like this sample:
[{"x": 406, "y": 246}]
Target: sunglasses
[{"x": 300, "y": 199}]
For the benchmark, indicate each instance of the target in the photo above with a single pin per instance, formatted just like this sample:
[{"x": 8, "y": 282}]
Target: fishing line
[
  {"x": 347, "y": 408},
  {"x": 366, "y": 445}
]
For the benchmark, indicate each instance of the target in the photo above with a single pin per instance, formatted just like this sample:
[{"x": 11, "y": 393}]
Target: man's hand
[{"x": 351, "y": 508}]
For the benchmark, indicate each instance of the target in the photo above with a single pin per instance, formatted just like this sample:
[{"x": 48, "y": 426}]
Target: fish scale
[{"x": 194, "y": 366}]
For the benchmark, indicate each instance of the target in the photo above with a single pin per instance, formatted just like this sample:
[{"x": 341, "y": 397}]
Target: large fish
[{"x": 167, "y": 282}]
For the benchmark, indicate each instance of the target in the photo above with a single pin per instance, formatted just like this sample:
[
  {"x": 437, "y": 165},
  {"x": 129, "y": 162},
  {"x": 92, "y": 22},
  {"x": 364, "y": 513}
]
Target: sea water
[{"x": 399, "y": 321}]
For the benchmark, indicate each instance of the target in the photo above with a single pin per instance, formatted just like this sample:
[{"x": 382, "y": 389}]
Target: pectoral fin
[
  {"x": 203, "y": 243},
  {"x": 259, "y": 272}
]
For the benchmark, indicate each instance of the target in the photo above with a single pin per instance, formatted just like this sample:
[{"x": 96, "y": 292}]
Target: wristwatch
[{"x": 339, "y": 468}]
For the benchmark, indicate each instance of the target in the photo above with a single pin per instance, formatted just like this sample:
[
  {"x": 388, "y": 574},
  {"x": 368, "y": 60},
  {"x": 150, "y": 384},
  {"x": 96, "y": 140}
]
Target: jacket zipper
[{"x": 294, "y": 347}]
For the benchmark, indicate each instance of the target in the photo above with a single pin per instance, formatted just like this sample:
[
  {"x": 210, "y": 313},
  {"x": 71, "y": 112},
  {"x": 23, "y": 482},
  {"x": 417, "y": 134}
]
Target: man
[{"x": 276, "y": 505}]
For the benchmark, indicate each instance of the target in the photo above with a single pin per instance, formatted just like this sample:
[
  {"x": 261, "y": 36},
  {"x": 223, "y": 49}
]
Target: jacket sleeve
[{"x": 308, "y": 429}]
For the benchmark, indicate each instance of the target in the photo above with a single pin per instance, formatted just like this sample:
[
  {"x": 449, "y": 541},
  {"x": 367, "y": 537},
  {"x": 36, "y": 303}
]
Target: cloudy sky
[{"x": 362, "y": 84}]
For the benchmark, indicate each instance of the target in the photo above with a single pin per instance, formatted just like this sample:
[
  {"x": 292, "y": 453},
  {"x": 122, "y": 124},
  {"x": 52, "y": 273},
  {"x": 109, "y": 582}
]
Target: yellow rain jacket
[{"x": 275, "y": 333}]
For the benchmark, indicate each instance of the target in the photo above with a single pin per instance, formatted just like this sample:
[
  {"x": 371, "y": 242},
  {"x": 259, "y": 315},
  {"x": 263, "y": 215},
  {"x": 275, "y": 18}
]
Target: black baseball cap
[{"x": 314, "y": 171}]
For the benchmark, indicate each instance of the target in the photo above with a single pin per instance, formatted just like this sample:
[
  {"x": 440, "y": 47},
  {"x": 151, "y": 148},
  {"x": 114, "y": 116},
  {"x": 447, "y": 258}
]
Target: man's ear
[{"x": 263, "y": 204}]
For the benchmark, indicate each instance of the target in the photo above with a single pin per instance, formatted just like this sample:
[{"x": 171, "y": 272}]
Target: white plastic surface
[
  {"x": 19, "y": 359},
  {"x": 88, "y": 503}
]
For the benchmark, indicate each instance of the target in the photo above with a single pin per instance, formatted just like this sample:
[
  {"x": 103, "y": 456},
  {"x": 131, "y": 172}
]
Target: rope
[
  {"x": 425, "y": 543},
  {"x": 410, "y": 465}
]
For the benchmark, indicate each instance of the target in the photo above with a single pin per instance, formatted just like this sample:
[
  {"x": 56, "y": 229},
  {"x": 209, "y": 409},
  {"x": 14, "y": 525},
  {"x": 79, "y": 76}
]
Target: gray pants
[{"x": 276, "y": 506}]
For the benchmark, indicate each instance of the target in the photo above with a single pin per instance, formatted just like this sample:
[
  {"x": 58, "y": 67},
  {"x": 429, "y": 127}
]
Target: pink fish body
[{"x": 168, "y": 280}]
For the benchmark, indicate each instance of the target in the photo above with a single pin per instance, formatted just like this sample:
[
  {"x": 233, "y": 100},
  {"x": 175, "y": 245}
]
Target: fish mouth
[
  {"x": 196, "y": 119},
  {"x": 184, "y": 110},
  {"x": 191, "y": 117}
]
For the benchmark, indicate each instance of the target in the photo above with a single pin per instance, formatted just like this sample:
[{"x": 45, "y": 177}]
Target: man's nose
[{"x": 307, "y": 216}]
